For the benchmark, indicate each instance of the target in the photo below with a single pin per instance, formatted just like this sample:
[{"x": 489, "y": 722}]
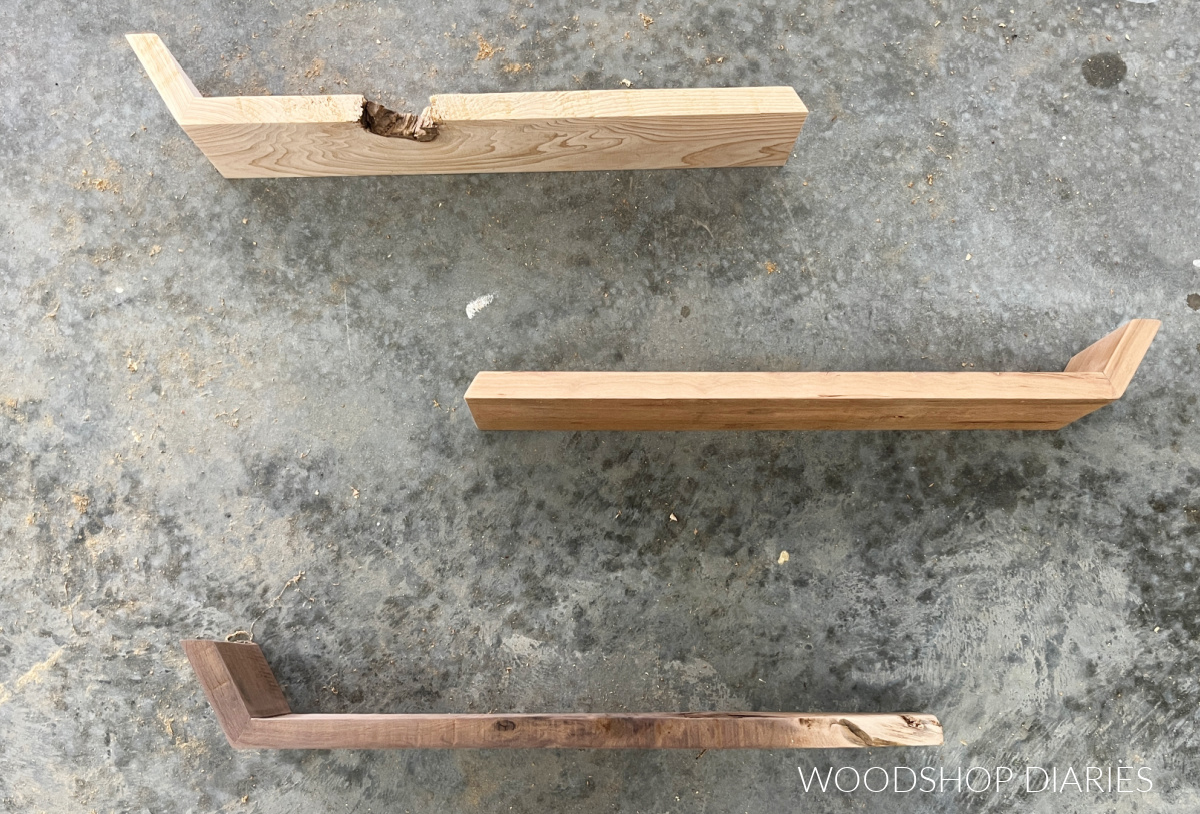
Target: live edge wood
[
  {"x": 274, "y": 136},
  {"x": 1095, "y": 377},
  {"x": 254, "y": 715}
]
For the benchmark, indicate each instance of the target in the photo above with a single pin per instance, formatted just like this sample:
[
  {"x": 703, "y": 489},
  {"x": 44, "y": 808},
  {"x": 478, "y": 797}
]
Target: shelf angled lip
[
  {"x": 254, "y": 714},
  {"x": 961, "y": 400},
  {"x": 545, "y": 131}
]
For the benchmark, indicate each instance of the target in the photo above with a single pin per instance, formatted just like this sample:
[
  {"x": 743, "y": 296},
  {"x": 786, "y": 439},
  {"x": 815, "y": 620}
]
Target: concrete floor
[{"x": 236, "y": 406}]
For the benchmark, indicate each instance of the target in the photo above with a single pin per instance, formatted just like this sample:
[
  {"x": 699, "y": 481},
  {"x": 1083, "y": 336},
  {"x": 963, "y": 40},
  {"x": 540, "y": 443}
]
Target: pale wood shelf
[
  {"x": 546, "y": 400},
  {"x": 280, "y": 136}
]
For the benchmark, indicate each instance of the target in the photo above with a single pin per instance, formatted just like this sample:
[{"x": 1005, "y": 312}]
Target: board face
[
  {"x": 666, "y": 730},
  {"x": 549, "y": 145},
  {"x": 782, "y": 401}
]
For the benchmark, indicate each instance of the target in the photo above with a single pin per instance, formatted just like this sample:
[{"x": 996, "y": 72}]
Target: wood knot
[
  {"x": 862, "y": 736},
  {"x": 383, "y": 122},
  {"x": 506, "y": 725}
]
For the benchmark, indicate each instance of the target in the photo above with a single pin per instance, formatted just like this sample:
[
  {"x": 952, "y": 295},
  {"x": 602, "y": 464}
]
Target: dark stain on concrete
[{"x": 1104, "y": 70}]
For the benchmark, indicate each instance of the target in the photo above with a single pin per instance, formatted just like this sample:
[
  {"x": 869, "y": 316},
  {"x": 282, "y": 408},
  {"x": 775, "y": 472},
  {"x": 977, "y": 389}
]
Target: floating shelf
[
  {"x": 1093, "y": 378},
  {"x": 254, "y": 715},
  {"x": 279, "y": 136}
]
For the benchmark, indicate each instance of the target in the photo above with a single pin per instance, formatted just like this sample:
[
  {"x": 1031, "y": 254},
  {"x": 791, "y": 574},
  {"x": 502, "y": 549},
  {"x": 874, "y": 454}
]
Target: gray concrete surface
[{"x": 236, "y": 406}]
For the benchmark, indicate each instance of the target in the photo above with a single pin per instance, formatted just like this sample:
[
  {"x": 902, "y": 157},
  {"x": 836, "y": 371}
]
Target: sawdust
[
  {"x": 98, "y": 545},
  {"x": 10, "y": 411},
  {"x": 98, "y": 184},
  {"x": 646, "y": 21},
  {"x": 771, "y": 267},
  {"x": 168, "y": 724},
  {"x": 315, "y": 69},
  {"x": 486, "y": 49},
  {"x": 81, "y": 503},
  {"x": 33, "y": 675},
  {"x": 317, "y": 12}
]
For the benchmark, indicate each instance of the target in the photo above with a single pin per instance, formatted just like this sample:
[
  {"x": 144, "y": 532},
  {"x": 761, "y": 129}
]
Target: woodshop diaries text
[{"x": 978, "y": 780}]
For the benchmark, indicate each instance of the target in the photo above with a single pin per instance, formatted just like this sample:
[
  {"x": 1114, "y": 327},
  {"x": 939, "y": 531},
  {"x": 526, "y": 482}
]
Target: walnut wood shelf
[
  {"x": 279, "y": 136},
  {"x": 254, "y": 715},
  {"x": 1093, "y": 378}
]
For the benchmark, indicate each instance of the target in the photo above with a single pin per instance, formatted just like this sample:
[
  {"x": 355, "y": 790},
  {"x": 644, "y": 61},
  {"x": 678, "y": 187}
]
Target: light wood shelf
[
  {"x": 280, "y": 136},
  {"x": 541, "y": 400}
]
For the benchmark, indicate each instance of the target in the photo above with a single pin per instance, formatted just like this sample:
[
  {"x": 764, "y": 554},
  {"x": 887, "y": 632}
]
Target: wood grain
[
  {"x": 266, "y": 137},
  {"x": 678, "y": 730},
  {"x": 169, "y": 80},
  {"x": 253, "y": 714},
  {"x": 543, "y": 400}
]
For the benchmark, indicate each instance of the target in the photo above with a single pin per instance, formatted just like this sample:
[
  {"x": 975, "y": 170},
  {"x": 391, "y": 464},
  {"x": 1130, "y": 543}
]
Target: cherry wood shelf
[
  {"x": 253, "y": 713},
  {"x": 1093, "y": 378},
  {"x": 280, "y": 136}
]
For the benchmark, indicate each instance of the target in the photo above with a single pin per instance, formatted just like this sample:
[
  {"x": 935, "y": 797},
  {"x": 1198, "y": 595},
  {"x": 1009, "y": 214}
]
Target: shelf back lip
[
  {"x": 779, "y": 103},
  {"x": 497, "y": 387},
  {"x": 383, "y": 718},
  {"x": 190, "y": 107},
  {"x": 326, "y": 109},
  {"x": 492, "y": 423}
]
